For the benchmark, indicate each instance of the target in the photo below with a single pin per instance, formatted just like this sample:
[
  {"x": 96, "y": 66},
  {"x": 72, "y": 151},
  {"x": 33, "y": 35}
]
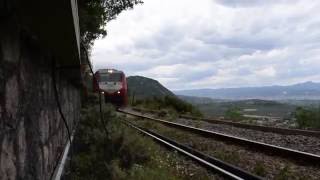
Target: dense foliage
[
  {"x": 168, "y": 102},
  {"x": 94, "y": 14},
  {"x": 120, "y": 154},
  {"x": 308, "y": 117},
  {"x": 140, "y": 87},
  {"x": 234, "y": 113},
  {"x": 218, "y": 108}
]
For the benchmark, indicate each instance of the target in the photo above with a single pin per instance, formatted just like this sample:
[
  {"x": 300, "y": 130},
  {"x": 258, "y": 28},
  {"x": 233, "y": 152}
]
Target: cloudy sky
[{"x": 188, "y": 44}]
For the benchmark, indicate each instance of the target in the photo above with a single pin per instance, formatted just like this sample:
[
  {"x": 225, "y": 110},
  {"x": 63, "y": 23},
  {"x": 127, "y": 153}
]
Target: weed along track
[{"x": 262, "y": 159}]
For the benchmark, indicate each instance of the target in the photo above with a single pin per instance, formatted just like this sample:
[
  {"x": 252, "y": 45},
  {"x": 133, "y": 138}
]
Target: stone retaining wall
[{"x": 32, "y": 133}]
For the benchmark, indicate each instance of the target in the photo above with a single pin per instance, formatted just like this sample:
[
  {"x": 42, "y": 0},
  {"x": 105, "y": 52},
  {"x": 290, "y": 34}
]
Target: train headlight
[
  {"x": 118, "y": 92},
  {"x": 102, "y": 92}
]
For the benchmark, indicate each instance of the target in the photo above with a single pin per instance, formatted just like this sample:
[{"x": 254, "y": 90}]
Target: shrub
[
  {"x": 259, "y": 169},
  {"x": 121, "y": 153},
  {"x": 285, "y": 173},
  {"x": 308, "y": 118},
  {"x": 169, "y": 102},
  {"x": 234, "y": 114}
]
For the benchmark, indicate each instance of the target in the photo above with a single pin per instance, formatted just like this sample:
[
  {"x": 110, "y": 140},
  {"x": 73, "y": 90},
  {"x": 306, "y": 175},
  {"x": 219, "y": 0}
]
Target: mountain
[
  {"x": 142, "y": 87},
  {"x": 306, "y": 90},
  {"x": 200, "y": 100}
]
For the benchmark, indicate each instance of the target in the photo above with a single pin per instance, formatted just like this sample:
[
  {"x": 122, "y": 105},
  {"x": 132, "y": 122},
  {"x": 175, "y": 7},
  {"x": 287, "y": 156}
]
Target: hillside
[
  {"x": 199, "y": 100},
  {"x": 150, "y": 94},
  {"x": 142, "y": 87},
  {"x": 307, "y": 90}
]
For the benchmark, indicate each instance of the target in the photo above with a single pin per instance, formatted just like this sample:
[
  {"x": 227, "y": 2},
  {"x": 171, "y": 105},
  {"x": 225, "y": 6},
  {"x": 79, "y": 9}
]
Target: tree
[
  {"x": 308, "y": 117},
  {"x": 94, "y": 14},
  {"x": 234, "y": 113}
]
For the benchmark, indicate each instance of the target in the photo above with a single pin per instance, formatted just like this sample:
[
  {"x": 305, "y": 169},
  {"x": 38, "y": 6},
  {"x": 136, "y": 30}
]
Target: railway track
[
  {"x": 301, "y": 157},
  {"x": 225, "y": 169},
  {"x": 285, "y": 131}
]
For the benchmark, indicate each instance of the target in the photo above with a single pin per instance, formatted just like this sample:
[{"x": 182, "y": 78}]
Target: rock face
[{"x": 32, "y": 133}]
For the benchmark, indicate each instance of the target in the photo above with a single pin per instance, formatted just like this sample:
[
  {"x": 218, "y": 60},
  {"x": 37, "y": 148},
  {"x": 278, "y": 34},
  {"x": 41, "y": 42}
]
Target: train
[{"x": 112, "y": 84}]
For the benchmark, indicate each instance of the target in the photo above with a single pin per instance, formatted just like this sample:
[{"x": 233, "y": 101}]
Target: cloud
[
  {"x": 266, "y": 72},
  {"x": 252, "y": 3},
  {"x": 212, "y": 44}
]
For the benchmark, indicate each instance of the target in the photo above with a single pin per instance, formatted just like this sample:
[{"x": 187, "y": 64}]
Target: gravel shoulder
[
  {"x": 297, "y": 142},
  {"x": 270, "y": 167}
]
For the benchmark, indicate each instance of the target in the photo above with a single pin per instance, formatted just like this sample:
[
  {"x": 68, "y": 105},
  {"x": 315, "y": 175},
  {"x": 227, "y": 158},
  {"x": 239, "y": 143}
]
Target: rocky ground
[
  {"x": 270, "y": 167},
  {"x": 180, "y": 166},
  {"x": 298, "y": 142}
]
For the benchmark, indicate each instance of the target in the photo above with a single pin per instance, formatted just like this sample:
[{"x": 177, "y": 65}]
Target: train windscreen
[{"x": 110, "y": 77}]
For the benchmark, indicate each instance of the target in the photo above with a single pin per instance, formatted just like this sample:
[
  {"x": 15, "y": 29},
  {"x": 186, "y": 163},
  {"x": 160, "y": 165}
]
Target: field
[{"x": 248, "y": 107}]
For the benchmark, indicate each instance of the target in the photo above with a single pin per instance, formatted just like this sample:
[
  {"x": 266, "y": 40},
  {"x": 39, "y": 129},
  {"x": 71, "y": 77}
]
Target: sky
[{"x": 187, "y": 44}]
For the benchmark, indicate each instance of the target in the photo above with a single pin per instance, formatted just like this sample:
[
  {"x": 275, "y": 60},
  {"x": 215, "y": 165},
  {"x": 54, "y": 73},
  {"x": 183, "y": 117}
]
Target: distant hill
[
  {"x": 143, "y": 87},
  {"x": 307, "y": 90},
  {"x": 200, "y": 100}
]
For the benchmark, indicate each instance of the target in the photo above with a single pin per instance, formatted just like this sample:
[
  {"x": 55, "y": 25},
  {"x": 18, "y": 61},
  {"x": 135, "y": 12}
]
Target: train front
[{"x": 113, "y": 85}]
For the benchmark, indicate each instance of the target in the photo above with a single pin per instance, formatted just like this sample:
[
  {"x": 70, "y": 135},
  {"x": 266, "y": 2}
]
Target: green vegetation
[
  {"x": 230, "y": 155},
  {"x": 286, "y": 173},
  {"x": 218, "y": 108},
  {"x": 119, "y": 153},
  {"x": 140, "y": 87},
  {"x": 259, "y": 169},
  {"x": 308, "y": 117},
  {"x": 94, "y": 14},
  {"x": 150, "y": 94},
  {"x": 169, "y": 103},
  {"x": 234, "y": 114}
]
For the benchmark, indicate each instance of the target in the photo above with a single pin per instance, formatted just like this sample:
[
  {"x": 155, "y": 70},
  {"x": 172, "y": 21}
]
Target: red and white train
[{"x": 113, "y": 85}]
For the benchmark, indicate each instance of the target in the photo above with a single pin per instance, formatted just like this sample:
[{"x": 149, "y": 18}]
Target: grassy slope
[
  {"x": 121, "y": 153},
  {"x": 142, "y": 87},
  {"x": 150, "y": 94}
]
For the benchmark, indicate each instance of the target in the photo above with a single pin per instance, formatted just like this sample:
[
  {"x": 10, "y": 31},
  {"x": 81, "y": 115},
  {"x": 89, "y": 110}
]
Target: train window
[{"x": 111, "y": 77}]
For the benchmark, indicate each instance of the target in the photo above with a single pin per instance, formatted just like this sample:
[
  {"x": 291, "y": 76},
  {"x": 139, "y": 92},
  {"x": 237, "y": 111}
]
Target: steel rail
[
  {"x": 300, "y": 156},
  {"x": 223, "y": 168},
  {"x": 57, "y": 175},
  {"x": 278, "y": 130}
]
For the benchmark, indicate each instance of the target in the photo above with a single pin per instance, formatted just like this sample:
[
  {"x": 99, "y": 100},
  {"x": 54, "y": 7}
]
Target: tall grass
[{"x": 121, "y": 153}]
